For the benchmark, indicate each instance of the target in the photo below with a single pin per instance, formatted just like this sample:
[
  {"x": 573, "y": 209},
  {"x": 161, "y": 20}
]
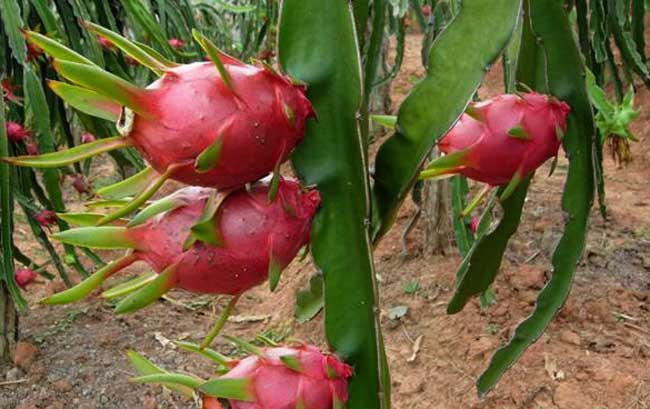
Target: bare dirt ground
[{"x": 595, "y": 355}]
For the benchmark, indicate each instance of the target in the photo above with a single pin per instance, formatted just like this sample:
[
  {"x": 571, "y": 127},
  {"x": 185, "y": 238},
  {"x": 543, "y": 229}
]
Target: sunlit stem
[{"x": 476, "y": 201}]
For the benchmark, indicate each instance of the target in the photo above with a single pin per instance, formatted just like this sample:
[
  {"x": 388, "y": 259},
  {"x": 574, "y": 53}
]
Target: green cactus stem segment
[
  {"x": 157, "y": 207},
  {"x": 446, "y": 165},
  {"x": 218, "y": 326},
  {"x": 132, "y": 49},
  {"x": 141, "y": 199},
  {"x": 129, "y": 187},
  {"x": 107, "y": 204},
  {"x": 86, "y": 101},
  {"x": 55, "y": 49},
  {"x": 104, "y": 83},
  {"x": 237, "y": 389},
  {"x": 70, "y": 156},
  {"x": 387, "y": 121},
  {"x": 244, "y": 345},
  {"x": 150, "y": 293},
  {"x": 105, "y": 237},
  {"x": 129, "y": 286},
  {"x": 87, "y": 286}
]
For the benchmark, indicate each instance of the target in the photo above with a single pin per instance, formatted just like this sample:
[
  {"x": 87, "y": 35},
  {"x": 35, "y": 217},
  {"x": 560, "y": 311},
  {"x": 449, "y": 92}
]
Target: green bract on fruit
[{"x": 202, "y": 241}]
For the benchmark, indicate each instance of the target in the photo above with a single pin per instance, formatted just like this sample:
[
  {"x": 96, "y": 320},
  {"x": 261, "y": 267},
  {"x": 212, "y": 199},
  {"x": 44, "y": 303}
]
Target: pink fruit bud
[
  {"x": 473, "y": 224},
  {"x": 87, "y": 137},
  {"x": 505, "y": 137},
  {"x": 426, "y": 10},
  {"x": 46, "y": 218},
  {"x": 176, "y": 43},
  {"x": 105, "y": 43},
  {"x": 32, "y": 148},
  {"x": 16, "y": 132},
  {"x": 24, "y": 277},
  {"x": 81, "y": 184},
  {"x": 292, "y": 377}
]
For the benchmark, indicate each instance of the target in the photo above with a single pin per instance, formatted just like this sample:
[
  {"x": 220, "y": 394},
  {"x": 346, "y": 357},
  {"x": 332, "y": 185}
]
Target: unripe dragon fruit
[
  {"x": 502, "y": 140},
  {"x": 16, "y": 132},
  {"x": 278, "y": 377},
  {"x": 243, "y": 240},
  {"x": 24, "y": 277},
  {"x": 218, "y": 124}
]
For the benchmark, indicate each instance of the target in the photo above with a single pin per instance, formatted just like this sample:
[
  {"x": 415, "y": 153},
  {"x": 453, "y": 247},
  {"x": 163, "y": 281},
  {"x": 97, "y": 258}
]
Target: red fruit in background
[
  {"x": 81, "y": 184},
  {"x": 473, "y": 224},
  {"x": 176, "y": 43},
  {"x": 292, "y": 377},
  {"x": 34, "y": 52},
  {"x": 32, "y": 148},
  {"x": 211, "y": 403},
  {"x": 503, "y": 138},
  {"x": 426, "y": 10},
  {"x": 24, "y": 277},
  {"x": 16, "y": 132},
  {"x": 131, "y": 61},
  {"x": 193, "y": 110},
  {"x": 105, "y": 43},
  {"x": 46, "y": 218},
  {"x": 8, "y": 91},
  {"x": 87, "y": 137}
]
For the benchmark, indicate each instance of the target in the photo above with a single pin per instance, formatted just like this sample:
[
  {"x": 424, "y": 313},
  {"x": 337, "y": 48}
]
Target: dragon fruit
[
  {"x": 32, "y": 148},
  {"x": 46, "y": 218},
  {"x": 176, "y": 43},
  {"x": 24, "y": 277},
  {"x": 87, "y": 137},
  {"x": 426, "y": 10},
  {"x": 106, "y": 43},
  {"x": 243, "y": 240},
  {"x": 16, "y": 132},
  {"x": 502, "y": 140},
  {"x": 278, "y": 377},
  {"x": 9, "y": 91},
  {"x": 217, "y": 124},
  {"x": 289, "y": 377}
]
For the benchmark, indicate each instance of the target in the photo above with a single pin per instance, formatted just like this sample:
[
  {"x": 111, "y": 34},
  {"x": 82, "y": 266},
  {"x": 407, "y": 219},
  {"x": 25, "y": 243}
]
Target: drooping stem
[{"x": 218, "y": 326}]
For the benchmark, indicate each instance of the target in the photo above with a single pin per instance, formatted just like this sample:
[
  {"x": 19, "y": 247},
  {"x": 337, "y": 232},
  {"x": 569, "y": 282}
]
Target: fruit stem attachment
[{"x": 218, "y": 326}]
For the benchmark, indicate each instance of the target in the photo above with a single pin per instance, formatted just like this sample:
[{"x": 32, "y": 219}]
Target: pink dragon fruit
[
  {"x": 473, "y": 224},
  {"x": 503, "y": 139},
  {"x": 106, "y": 43},
  {"x": 217, "y": 124},
  {"x": 248, "y": 239},
  {"x": 32, "y": 148},
  {"x": 16, "y": 132},
  {"x": 87, "y": 137},
  {"x": 176, "y": 43},
  {"x": 24, "y": 277},
  {"x": 46, "y": 218},
  {"x": 289, "y": 378},
  {"x": 81, "y": 184}
]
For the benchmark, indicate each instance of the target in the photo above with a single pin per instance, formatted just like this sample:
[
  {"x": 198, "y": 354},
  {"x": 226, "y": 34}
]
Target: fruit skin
[
  {"x": 253, "y": 231},
  {"x": 87, "y": 137},
  {"x": 320, "y": 380},
  {"x": 176, "y": 43},
  {"x": 16, "y": 132},
  {"x": 24, "y": 277},
  {"x": 257, "y": 125},
  {"x": 495, "y": 156},
  {"x": 46, "y": 218},
  {"x": 473, "y": 224},
  {"x": 210, "y": 403},
  {"x": 32, "y": 148},
  {"x": 105, "y": 43}
]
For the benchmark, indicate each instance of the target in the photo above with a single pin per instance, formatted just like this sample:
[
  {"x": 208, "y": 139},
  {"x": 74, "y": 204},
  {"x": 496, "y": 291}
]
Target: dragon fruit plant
[
  {"x": 201, "y": 241},
  {"x": 218, "y": 124},
  {"x": 276, "y": 377},
  {"x": 502, "y": 140}
]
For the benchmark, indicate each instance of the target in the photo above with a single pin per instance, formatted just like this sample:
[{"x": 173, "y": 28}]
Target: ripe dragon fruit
[
  {"x": 24, "y": 277},
  {"x": 502, "y": 140},
  {"x": 87, "y": 137},
  {"x": 46, "y": 218},
  {"x": 176, "y": 43},
  {"x": 218, "y": 124},
  {"x": 16, "y": 132},
  {"x": 279, "y": 377},
  {"x": 203, "y": 242},
  {"x": 106, "y": 43}
]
